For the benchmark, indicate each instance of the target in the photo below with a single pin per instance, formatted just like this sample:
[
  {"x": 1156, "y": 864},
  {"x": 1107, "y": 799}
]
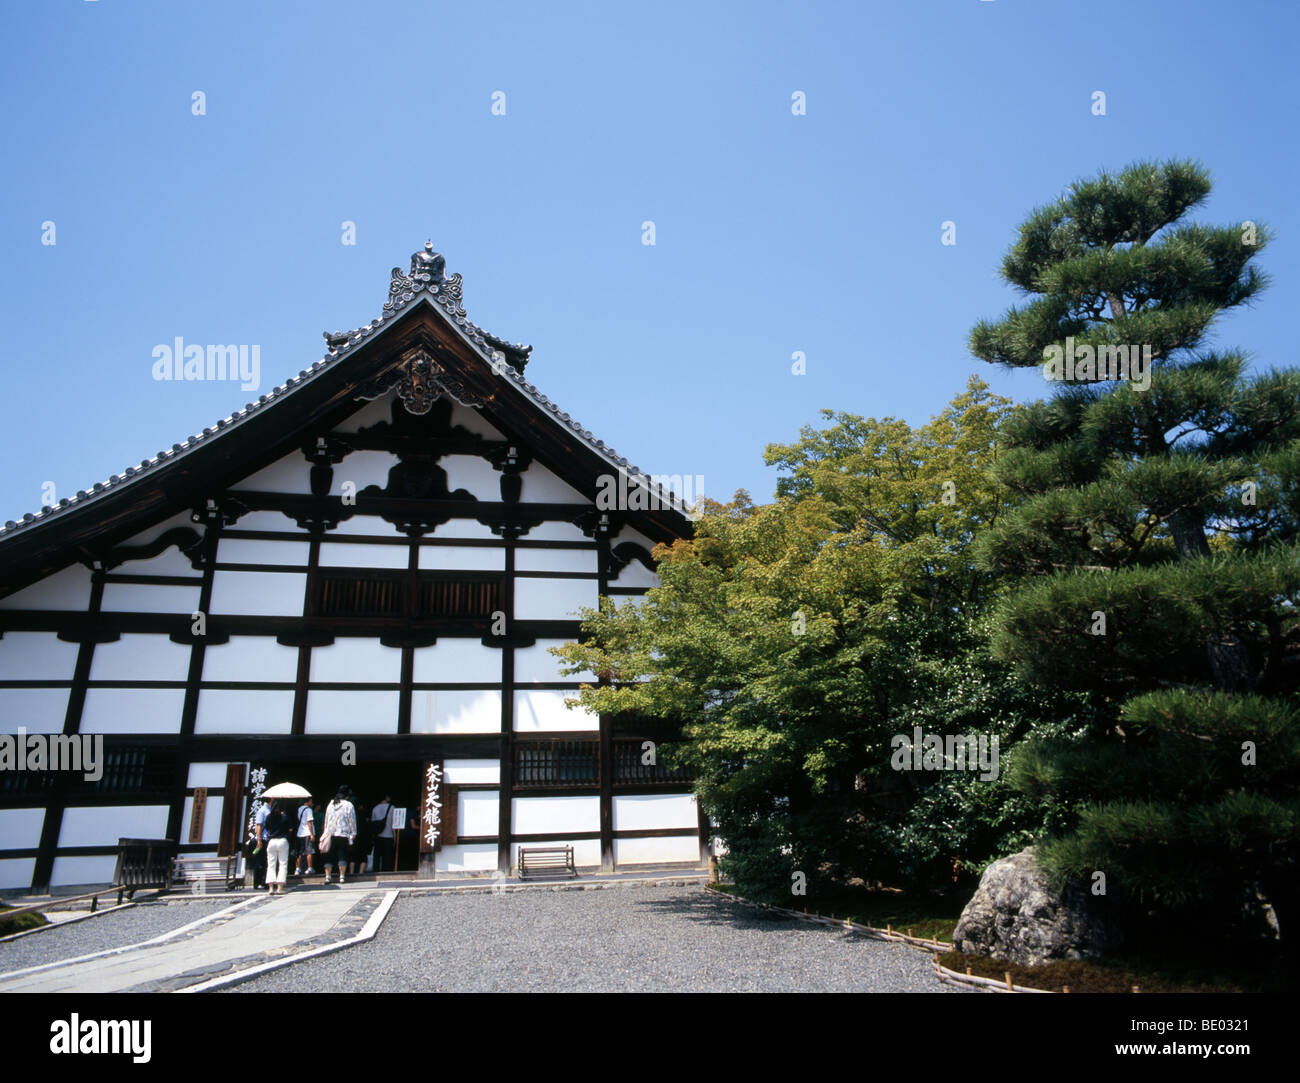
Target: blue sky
[{"x": 774, "y": 233}]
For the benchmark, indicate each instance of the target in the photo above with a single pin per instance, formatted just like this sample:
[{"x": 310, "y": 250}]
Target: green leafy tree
[
  {"x": 793, "y": 640},
  {"x": 1153, "y": 546}
]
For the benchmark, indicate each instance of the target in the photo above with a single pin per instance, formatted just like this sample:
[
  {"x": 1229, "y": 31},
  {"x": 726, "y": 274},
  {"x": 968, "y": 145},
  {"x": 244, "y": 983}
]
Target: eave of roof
[{"x": 489, "y": 347}]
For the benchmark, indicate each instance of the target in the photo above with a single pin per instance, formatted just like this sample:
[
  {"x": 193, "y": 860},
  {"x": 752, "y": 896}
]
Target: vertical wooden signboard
[
  {"x": 431, "y": 818},
  {"x": 196, "y": 813}
]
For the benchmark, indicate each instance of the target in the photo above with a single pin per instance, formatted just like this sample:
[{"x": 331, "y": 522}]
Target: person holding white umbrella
[{"x": 274, "y": 832}]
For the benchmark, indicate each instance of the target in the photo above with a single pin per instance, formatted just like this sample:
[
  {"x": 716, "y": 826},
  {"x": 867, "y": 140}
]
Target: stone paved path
[{"x": 246, "y": 932}]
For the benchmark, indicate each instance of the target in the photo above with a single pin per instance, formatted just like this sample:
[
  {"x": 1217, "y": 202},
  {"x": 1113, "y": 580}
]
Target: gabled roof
[{"x": 332, "y": 380}]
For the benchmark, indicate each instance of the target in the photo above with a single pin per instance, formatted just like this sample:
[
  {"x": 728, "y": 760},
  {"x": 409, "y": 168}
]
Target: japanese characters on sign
[{"x": 431, "y": 809}]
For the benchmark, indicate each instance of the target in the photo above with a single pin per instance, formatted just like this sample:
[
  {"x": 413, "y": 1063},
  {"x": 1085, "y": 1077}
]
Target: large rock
[{"x": 1015, "y": 916}]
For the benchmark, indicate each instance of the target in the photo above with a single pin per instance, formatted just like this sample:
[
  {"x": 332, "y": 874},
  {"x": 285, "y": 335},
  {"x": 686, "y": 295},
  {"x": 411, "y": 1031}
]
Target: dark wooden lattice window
[
  {"x": 543, "y": 764},
  {"x": 384, "y": 593},
  {"x": 630, "y": 771}
]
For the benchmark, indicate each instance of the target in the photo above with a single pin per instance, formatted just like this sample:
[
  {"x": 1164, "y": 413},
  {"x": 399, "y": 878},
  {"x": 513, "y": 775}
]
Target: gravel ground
[
  {"x": 130, "y": 926},
  {"x": 645, "y": 939}
]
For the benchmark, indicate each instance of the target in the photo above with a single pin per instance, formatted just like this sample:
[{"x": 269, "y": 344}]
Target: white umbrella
[{"x": 286, "y": 789}]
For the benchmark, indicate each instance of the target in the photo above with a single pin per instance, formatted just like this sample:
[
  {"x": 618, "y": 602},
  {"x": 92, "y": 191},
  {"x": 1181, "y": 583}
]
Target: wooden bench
[
  {"x": 198, "y": 872},
  {"x": 548, "y": 861},
  {"x": 143, "y": 863}
]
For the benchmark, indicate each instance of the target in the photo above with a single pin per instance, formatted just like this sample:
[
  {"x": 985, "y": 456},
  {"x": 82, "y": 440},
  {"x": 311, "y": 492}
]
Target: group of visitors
[{"x": 283, "y": 837}]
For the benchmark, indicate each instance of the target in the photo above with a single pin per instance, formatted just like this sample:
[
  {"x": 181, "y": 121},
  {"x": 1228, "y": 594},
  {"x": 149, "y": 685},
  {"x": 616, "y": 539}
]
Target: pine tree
[{"x": 1153, "y": 556}]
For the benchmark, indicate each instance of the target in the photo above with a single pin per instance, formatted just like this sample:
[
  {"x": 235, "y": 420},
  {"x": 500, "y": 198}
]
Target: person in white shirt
[
  {"x": 338, "y": 834},
  {"x": 306, "y": 837}
]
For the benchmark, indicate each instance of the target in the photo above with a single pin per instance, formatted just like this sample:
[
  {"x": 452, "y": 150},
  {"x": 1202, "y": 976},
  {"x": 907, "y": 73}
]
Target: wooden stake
[
  {"x": 1009, "y": 987},
  {"x": 1065, "y": 988},
  {"x": 1136, "y": 989}
]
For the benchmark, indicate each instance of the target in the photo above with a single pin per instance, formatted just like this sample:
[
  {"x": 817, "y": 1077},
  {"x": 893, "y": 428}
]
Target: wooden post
[
  {"x": 1009, "y": 987},
  {"x": 1065, "y": 988}
]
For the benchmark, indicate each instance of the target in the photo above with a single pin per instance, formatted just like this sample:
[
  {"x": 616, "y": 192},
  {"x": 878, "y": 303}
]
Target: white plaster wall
[
  {"x": 36, "y": 656},
  {"x": 68, "y": 589},
  {"x": 171, "y": 561},
  {"x": 275, "y": 521},
  {"x": 244, "y": 711},
  {"x": 553, "y": 599},
  {"x": 467, "y": 417},
  {"x": 457, "y": 661},
  {"x": 456, "y": 712},
  {"x": 356, "y": 659},
  {"x": 537, "y": 664},
  {"x": 357, "y": 555},
  {"x": 133, "y": 710},
  {"x": 465, "y": 528},
  {"x": 645, "y": 812},
  {"x": 20, "y": 828},
  {"x": 477, "y": 812},
  {"x": 543, "y": 487},
  {"x": 586, "y": 852},
  {"x": 367, "y": 526},
  {"x": 370, "y": 413},
  {"x": 464, "y": 772},
  {"x": 363, "y": 468},
  {"x": 16, "y": 872},
  {"x": 628, "y": 534},
  {"x": 38, "y": 710},
  {"x": 149, "y": 598},
  {"x": 257, "y": 551},
  {"x": 212, "y": 775},
  {"x": 462, "y": 558},
  {"x": 139, "y": 657},
  {"x": 211, "y": 820},
  {"x": 292, "y": 474},
  {"x": 635, "y": 574},
  {"x": 538, "y": 711},
  {"x": 264, "y": 594},
  {"x": 679, "y": 849},
  {"x": 554, "y": 531},
  {"x": 470, "y": 857},
  {"x": 556, "y": 560},
  {"x": 104, "y": 825},
  {"x": 250, "y": 658},
  {"x": 351, "y": 712},
  {"x": 72, "y": 871},
  {"x": 154, "y": 532},
  {"x": 476, "y": 475},
  {"x": 544, "y": 815}
]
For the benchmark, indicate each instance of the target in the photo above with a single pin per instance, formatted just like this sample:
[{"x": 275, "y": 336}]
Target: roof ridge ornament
[{"x": 427, "y": 272}]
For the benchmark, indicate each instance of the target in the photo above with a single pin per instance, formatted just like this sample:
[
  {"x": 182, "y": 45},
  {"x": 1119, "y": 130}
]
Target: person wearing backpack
[
  {"x": 275, "y": 834},
  {"x": 306, "y": 837}
]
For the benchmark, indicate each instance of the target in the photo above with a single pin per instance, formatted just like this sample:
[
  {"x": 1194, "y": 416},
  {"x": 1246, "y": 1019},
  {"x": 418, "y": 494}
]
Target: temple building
[{"x": 354, "y": 579}]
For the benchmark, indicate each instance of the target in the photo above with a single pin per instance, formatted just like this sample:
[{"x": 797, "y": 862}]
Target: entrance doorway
[{"x": 370, "y": 783}]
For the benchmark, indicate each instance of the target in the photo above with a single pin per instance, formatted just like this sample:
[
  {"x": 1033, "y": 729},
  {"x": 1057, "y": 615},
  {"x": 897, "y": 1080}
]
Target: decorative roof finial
[{"x": 428, "y": 272}]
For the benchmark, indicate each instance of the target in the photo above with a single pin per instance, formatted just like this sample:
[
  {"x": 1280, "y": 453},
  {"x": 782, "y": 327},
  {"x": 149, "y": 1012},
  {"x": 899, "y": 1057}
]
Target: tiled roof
[{"x": 404, "y": 291}]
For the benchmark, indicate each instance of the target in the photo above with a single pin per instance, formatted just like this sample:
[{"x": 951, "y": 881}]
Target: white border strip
[
  {"x": 8, "y": 975},
  {"x": 367, "y": 932}
]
